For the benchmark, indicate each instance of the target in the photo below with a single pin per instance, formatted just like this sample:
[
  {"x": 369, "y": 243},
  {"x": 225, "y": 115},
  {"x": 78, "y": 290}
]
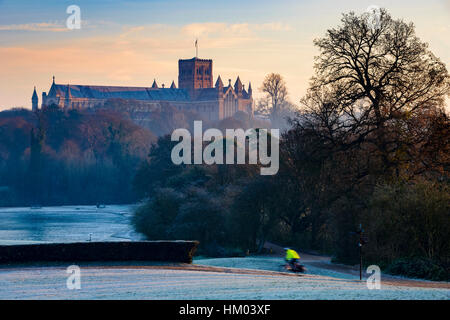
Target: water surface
[{"x": 66, "y": 224}]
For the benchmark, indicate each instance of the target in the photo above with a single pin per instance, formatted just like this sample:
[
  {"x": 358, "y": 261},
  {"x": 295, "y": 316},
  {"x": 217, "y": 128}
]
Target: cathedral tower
[{"x": 195, "y": 74}]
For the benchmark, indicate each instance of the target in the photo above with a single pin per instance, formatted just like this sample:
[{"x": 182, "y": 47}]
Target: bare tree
[
  {"x": 263, "y": 106},
  {"x": 370, "y": 82},
  {"x": 275, "y": 104},
  {"x": 275, "y": 88}
]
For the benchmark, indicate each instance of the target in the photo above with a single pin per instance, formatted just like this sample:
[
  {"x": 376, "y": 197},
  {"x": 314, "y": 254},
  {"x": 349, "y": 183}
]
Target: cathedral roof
[
  {"x": 111, "y": 92},
  {"x": 153, "y": 93},
  {"x": 245, "y": 94},
  {"x": 195, "y": 59},
  {"x": 207, "y": 94}
]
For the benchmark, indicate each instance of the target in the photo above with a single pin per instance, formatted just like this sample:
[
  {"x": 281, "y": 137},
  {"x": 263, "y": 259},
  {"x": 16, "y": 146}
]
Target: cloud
[
  {"x": 168, "y": 38},
  {"x": 211, "y": 35},
  {"x": 237, "y": 29},
  {"x": 42, "y": 26},
  {"x": 212, "y": 28},
  {"x": 273, "y": 26},
  {"x": 51, "y": 26}
]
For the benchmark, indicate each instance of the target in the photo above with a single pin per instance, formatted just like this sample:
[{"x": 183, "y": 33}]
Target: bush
[
  {"x": 155, "y": 218},
  {"x": 409, "y": 220},
  {"x": 173, "y": 251},
  {"x": 191, "y": 214},
  {"x": 419, "y": 268}
]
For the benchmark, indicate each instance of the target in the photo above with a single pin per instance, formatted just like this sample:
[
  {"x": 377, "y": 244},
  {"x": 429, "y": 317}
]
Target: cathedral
[{"x": 195, "y": 92}]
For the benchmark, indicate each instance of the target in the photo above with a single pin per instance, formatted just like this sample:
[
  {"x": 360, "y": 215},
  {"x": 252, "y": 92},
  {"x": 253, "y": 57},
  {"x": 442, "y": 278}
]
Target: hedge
[{"x": 167, "y": 251}]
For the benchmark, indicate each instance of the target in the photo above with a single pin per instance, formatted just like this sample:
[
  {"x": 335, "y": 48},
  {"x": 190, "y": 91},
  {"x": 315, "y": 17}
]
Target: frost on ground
[
  {"x": 163, "y": 282},
  {"x": 319, "y": 266},
  {"x": 270, "y": 264}
]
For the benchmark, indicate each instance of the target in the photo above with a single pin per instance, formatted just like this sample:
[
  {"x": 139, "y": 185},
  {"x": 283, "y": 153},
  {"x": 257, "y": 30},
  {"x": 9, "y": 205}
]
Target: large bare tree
[{"x": 372, "y": 83}]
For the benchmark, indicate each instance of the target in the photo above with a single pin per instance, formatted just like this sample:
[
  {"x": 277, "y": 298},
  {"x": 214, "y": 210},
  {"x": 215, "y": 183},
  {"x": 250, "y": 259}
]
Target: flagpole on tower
[{"x": 196, "y": 48}]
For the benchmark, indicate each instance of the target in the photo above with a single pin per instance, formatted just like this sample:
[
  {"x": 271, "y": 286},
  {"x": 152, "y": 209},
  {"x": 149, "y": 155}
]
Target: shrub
[
  {"x": 409, "y": 220},
  {"x": 419, "y": 268},
  {"x": 155, "y": 218}
]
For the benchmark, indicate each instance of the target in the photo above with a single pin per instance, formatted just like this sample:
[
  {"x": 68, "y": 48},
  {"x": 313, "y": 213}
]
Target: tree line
[
  {"x": 61, "y": 157},
  {"x": 56, "y": 157}
]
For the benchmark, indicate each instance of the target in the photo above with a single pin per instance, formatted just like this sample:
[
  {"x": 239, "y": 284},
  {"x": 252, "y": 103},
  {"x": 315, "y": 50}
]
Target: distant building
[{"x": 196, "y": 92}]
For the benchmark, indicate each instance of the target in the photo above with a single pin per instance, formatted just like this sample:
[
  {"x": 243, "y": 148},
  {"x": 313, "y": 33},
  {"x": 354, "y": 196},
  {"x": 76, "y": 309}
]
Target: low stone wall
[{"x": 168, "y": 251}]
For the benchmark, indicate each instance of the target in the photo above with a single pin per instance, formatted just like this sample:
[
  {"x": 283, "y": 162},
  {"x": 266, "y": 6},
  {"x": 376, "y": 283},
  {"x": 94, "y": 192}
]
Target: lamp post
[
  {"x": 361, "y": 241},
  {"x": 360, "y": 253}
]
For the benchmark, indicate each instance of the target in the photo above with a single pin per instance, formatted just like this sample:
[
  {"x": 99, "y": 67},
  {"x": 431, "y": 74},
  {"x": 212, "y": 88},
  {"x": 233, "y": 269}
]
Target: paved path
[{"x": 319, "y": 266}]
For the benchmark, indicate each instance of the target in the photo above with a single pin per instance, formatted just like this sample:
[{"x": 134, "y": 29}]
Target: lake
[{"x": 66, "y": 224}]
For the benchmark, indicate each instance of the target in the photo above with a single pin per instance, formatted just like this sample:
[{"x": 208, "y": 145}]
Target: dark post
[
  {"x": 362, "y": 240},
  {"x": 360, "y": 244},
  {"x": 360, "y": 258}
]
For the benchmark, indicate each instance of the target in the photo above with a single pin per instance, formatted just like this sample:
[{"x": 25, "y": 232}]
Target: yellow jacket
[{"x": 291, "y": 254}]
